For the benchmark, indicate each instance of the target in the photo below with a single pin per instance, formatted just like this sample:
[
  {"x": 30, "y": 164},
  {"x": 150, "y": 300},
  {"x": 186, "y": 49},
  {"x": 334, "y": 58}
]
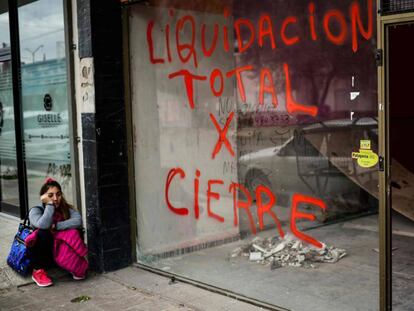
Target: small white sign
[{"x": 353, "y": 95}]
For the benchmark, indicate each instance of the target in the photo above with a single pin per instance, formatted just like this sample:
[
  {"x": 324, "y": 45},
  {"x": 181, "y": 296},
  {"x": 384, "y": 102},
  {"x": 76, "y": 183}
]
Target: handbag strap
[{"x": 26, "y": 221}]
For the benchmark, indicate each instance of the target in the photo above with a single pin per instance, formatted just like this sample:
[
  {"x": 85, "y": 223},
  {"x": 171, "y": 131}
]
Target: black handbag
[{"x": 19, "y": 257}]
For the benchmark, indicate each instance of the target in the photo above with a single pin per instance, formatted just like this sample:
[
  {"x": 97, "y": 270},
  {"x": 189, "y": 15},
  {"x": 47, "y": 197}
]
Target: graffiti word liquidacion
[
  {"x": 264, "y": 30},
  {"x": 187, "y": 51}
]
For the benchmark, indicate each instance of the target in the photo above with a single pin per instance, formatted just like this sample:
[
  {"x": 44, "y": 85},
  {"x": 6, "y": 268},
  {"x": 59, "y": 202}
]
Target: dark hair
[{"x": 64, "y": 206}]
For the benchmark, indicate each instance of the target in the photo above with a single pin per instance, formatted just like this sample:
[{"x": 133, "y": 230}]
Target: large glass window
[
  {"x": 256, "y": 145},
  {"x": 9, "y": 191},
  {"x": 44, "y": 95}
]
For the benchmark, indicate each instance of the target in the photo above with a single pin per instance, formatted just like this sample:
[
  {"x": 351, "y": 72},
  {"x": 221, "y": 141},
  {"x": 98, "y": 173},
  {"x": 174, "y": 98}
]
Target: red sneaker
[{"x": 41, "y": 278}]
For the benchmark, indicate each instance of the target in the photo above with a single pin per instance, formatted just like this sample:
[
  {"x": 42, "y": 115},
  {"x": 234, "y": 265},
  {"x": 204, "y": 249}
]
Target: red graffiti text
[{"x": 265, "y": 201}]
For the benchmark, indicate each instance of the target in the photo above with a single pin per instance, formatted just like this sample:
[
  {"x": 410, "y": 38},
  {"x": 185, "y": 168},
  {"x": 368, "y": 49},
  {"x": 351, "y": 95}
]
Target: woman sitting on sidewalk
[{"x": 57, "y": 239}]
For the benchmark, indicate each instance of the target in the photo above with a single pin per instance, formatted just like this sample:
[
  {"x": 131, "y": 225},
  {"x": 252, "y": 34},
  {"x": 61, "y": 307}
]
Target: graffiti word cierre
[
  {"x": 263, "y": 206},
  {"x": 186, "y": 52}
]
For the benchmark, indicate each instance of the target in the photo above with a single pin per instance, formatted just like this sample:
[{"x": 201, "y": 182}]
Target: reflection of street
[
  {"x": 36, "y": 174},
  {"x": 9, "y": 194},
  {"x": 9, "y": 190}
]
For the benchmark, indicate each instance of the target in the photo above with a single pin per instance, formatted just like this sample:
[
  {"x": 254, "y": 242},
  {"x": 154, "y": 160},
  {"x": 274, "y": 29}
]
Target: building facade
[{"x": 242, "y": 145}]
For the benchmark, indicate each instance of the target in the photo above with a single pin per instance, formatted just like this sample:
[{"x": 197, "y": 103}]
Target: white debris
[
  {"x": 255, "y": 256},
  {"x": 257, "y": 247},
  {"x": 275, "y": 250},
  {"x": 289, "y": 251},
  {"x": 257, "y": 240},
  {"x": 300, "y": 258},
  {"x": 297, "y": 245}
]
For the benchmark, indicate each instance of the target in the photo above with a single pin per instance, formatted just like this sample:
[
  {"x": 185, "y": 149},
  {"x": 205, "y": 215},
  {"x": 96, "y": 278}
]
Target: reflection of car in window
[{"x": 315, "y": 161}]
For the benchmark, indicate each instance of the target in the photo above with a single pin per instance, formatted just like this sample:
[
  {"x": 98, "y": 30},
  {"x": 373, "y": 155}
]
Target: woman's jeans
[{"x": 42, "y": 251}]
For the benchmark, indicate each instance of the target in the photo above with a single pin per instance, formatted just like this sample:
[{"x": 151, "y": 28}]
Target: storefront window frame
[
  {"x": 13, "y": 7},
  {"x": 384, "y": 223}
]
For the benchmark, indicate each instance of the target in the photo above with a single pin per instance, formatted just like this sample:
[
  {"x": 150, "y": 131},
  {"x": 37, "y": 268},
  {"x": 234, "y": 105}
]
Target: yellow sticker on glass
[
  {"x": 365, "y": 158},
  {"x": 365, "y": 144}
]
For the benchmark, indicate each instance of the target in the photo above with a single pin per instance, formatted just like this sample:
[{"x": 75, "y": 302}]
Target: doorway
[
  {"x": 35, "y": 110},
  {"x": 401, "y": 126}
]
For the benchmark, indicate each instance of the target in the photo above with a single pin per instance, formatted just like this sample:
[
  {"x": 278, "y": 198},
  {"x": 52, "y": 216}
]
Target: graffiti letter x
[{"x": 222, "y": 135}]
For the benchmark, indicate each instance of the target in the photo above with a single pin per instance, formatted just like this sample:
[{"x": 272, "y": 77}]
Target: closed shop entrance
[{"x": 255, "y": 130}]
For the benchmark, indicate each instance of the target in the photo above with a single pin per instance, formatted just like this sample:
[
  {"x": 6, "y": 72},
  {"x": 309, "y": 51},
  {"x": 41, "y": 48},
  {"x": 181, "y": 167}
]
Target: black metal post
[{"x": 18, "y": 109}]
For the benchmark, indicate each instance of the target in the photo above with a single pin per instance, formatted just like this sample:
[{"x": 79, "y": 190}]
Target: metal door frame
[
  {"x": 385, "y": 230},
  {"x": 13, "y": 7}
]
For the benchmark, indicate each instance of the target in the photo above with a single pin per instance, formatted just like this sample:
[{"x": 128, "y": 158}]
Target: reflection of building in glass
[
  {"x": 60, "y": 50},
  {"x": 46, "y": 132}
]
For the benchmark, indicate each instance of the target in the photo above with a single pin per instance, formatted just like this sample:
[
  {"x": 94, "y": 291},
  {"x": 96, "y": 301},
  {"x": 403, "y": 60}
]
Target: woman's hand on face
[
  {"x": 45, "y": 199},
  {"x": 53, "y": 228}
]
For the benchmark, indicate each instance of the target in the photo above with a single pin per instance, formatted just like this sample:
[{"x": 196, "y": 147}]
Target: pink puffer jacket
[{"x": 70, "y": 251}]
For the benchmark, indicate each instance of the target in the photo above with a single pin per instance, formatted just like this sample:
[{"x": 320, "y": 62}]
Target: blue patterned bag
[{"x": 19, "y": 257}]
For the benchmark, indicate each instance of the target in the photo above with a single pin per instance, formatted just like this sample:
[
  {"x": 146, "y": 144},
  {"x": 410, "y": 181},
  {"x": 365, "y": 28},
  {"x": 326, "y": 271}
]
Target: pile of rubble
[{"x": 278, "y": 252}]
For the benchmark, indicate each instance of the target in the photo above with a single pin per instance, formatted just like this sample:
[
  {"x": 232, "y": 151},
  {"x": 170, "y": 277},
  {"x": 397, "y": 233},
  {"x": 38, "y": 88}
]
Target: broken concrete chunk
[
  {"x": 257, "y": 247},
  {"x": 297, "y": 245},
  {"x": 257, "y": 240},
  {"x": 255, "y": 256},
  {"x": 277, "y": 252},
  {"x": 300, "y": 258}
]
